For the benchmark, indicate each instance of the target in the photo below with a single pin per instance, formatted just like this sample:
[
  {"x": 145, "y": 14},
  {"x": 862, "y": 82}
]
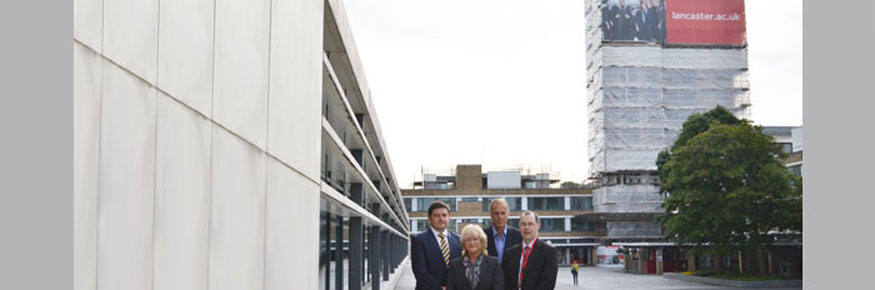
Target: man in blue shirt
[{"x": 500, "y": 236}]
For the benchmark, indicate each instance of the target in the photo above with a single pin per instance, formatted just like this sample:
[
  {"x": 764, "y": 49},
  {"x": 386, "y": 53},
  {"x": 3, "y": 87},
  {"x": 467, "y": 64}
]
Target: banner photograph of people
[{"x": 706, "y": 22}]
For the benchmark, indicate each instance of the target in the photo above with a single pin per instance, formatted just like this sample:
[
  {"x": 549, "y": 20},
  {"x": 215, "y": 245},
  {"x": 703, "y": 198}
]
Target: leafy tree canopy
[
  {"x": 569, "y": 185},
  {"x": 726, "y": 186}
]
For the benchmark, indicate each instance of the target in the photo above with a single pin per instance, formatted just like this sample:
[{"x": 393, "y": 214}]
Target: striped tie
[{"x": 445, "y": 249}]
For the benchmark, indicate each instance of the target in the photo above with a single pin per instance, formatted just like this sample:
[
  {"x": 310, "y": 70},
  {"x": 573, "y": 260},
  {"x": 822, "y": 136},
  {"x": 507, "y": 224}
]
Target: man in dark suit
[
  {"x": 432, "y": 249},
  {"x": 500, "y": 236},
  {"x": 532, "y": 265}
]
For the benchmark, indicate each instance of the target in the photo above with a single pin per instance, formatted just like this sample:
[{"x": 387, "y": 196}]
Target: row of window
[
  {"x": 548, "y": 225},
  {"x": 513, "y": 203}
]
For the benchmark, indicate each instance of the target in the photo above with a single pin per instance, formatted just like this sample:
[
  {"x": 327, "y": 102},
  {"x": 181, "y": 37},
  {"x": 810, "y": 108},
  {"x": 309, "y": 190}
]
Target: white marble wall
[{"x": 197, "y": 138}]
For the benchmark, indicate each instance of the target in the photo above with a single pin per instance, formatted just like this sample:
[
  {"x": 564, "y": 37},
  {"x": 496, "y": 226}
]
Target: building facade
[
  {"x": 228, "y": 144},
  {"x": 790, "y": 139},
  {"x": 470, "y": 190}
]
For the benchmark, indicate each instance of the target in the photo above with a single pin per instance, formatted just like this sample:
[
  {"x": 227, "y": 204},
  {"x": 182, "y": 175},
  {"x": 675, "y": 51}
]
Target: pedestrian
[{"x": 574, "y": 269}]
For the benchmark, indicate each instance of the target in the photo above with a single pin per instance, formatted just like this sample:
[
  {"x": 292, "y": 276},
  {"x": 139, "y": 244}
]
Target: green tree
[
  {"x": 569, "y": 185},
  {"x": 726, "y": 186}
]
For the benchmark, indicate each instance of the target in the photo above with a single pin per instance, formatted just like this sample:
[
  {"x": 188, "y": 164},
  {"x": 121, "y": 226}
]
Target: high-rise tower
[{"x": 650, "y": 65}]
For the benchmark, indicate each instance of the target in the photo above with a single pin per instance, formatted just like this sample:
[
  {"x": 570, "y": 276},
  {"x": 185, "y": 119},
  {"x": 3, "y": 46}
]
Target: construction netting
[
  {"x": 626, "y": 198},
  {"x": 634, "y": 229}
]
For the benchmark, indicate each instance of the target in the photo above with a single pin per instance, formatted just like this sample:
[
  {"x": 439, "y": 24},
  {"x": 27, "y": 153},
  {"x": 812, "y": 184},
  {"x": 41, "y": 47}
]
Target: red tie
[{"x": 526, "y": 251}]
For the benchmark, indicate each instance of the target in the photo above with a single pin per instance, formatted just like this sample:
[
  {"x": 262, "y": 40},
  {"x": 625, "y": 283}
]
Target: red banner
[{"x": 705, "y": 21}]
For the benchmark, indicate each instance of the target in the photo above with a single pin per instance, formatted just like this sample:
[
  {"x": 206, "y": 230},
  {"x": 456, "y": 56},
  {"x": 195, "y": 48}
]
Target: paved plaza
[{"x": 597, "y": 278}]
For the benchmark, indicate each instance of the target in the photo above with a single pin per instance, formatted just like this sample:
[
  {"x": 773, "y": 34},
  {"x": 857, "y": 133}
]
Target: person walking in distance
[
  {"x": 533, "y": 264},
  {"x": 574, "y": 271}
]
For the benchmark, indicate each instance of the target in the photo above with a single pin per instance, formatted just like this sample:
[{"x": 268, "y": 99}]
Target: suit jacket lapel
[
  {"x": 490, "y": 245},
  {"x": 431, "y": 240},
  {"x": 533, "y": 256},
  {"x": 488, "y": 270},
  {"x": 514, "y": 261}
]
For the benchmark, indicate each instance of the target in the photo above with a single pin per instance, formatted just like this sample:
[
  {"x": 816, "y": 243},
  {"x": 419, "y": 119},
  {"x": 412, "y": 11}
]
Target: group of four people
[{"x": 497, "y": 257}]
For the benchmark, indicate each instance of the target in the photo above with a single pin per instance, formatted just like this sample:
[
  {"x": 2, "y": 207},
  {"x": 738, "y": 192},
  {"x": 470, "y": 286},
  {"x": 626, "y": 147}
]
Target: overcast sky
[{"x": 502, "y": 83}]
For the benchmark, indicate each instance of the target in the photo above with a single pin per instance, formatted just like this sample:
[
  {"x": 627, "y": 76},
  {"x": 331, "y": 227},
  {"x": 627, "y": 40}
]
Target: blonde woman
[{"x": 475, "y": 269}]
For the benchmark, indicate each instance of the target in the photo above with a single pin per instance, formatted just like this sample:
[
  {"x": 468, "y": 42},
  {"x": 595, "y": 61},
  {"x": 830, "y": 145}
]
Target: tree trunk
[
  {"x": 761, "y": 263},
  {"x": 718, "y": 262},
  {"x": 740, "y": 264}
]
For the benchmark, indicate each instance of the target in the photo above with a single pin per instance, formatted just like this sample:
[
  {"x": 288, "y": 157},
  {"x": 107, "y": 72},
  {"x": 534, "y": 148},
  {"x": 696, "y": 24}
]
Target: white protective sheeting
[
  {"x": 674, "y": 58},
  {"x": 624, "y": 198},
  {"x": 638, "y": 98},
  {"x": 633, "y": 229}
]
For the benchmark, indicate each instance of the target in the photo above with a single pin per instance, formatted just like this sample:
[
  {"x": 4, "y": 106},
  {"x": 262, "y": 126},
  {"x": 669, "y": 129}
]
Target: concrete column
[
  {"x": 374, "y": 246},
  {"x": 642, "y": 258},
  {"x": 593, "y": 257},
  {"x": 658, "y": 261},
  {"x": 691, "y": 262},
  {"x": 396, "y": 254},
  {"x": 356, "y": 253},
  {"x": 567, "y": 255},
  {"x": 524, "y": 203},
  {"x": 413, "y": 206},
  {"x": 384, "y": 257},
  {"x": 366, "y": 235},
  {"x": 567, "y": 203},
  {"x": 338, "y": 254},
  {"x": 327, "y": 218}
]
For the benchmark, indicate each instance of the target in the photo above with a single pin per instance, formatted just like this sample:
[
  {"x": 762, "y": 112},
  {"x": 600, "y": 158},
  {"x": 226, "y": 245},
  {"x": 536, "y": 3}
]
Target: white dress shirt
[
  {"x": 438, "y": 238},
  {"x": 530, "y": 245}
]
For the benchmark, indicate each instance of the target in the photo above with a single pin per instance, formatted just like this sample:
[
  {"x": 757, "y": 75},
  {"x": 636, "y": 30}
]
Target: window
[
  {"x": 421, "y": 225},
  {"x": 547, "y": 203},
  {"x": 552, "y": 225},
  {"x": 423, "y": 203},
  {"x": 469, "y": 199},
  {"x": 408, "y": 202},
  {"x": 513, "y": 222},
  {"x": 796, "y": 169},
  {"x": 468, "y": 221},
  {"x": 581, "y": 202},
  {"x": 787, "y": 147},
  {"x": 581, "y": 225}
]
